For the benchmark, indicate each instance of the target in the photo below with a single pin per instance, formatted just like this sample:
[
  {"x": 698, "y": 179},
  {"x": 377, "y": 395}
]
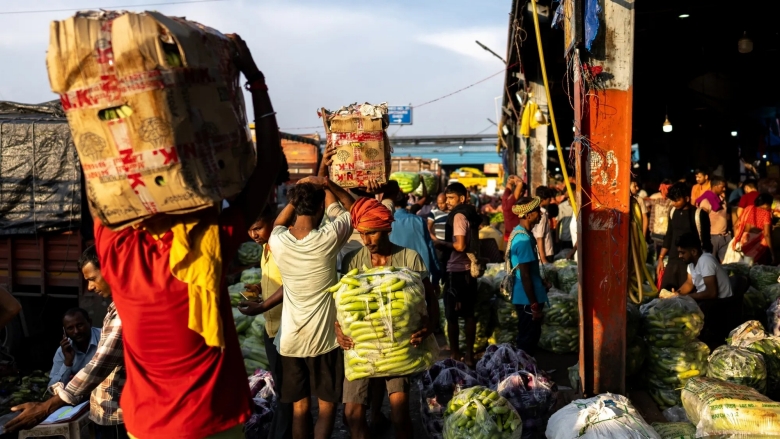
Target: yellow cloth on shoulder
[{"x": 196, "y": 259}]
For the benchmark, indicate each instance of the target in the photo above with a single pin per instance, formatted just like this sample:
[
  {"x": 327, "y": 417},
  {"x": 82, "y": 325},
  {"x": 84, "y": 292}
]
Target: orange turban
[{"x": 369, "y": 215}]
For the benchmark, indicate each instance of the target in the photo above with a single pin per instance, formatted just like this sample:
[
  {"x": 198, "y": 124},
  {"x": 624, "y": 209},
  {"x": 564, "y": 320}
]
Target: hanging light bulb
[
  {"x": 667, "y": 125},
  {"x": 550, "y": 147},
  {"x": 745, "y": 44}
]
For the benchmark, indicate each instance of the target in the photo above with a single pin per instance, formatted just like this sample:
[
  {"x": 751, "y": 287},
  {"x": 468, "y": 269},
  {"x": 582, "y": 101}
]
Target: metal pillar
[
  {"x": 603, "y": 126},
  {"x": 538, "y": 141}
]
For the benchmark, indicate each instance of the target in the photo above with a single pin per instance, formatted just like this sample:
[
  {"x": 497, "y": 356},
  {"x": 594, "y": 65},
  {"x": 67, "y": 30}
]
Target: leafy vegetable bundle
[
  {"x": 481, "y": 413},
  {"x": 380, "y": 308},
  {"x": 738, "y": 366}
]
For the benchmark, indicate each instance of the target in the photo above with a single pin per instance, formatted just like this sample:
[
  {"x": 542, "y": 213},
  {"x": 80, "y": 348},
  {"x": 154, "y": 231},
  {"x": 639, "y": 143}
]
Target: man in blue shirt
[
  {"x": 409, "y": 231},
  {"x": 529, "y": 294},
  {"x": 77, "y": 347}
]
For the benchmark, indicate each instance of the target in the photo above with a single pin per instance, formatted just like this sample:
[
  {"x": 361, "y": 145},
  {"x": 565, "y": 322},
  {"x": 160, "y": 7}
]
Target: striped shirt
[
  {"x": 439, "y": 219},
  {"x": 104, "y": 376}
]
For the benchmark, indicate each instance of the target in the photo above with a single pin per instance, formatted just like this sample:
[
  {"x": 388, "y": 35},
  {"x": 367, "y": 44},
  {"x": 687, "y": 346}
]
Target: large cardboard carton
[
  {"x": 358, "y": 131},
  {"x": 156, "y": 111}
]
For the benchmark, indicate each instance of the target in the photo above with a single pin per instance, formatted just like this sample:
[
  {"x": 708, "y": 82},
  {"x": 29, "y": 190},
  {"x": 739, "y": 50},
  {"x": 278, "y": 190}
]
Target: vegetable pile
[
  {"x": 671, "y": 322},
  {"x": 407, "y": 181},
  {"x": 737, "y": 269},
  {"x": 762, "y": 276},
  {"x": 753, "y": 304},
  {"x": 235, "y": 291},
  {"x": 668, "y": 369},
  {"x": 675, "y": 430},
  {"x": 567, "y": 277},
  {"x": 751, "y": 336},
  {"x": 481, "y": 413},
  {"x": 720, "y": 408},
  {"x": 251, "y": 276},
  {"x": 380, "y": 308},
  {"x": 250, "y": 336},
  {"x": 15, "y": 390},
  {"x": 249, "y": 253},
  {"x": 437, "y": 386},
  {"x": 560, "y": 329},
  {"x": 738, "y": 366}
]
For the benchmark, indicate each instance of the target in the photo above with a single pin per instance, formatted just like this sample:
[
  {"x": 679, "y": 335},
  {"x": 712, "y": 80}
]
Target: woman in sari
[{"x": 754, "y": 232}]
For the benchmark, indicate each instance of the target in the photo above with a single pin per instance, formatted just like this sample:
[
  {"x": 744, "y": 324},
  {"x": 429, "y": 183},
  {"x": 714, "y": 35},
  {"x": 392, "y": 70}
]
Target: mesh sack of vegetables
[
  {"x": 380, "y": 309},
  {"x": 606, "y": 416},
  {"x": 668, "y": 369},
  {"x": 567, "y": 277},
  {"x": 431, "y": 183},
  {"x": 633, "y": 320},
  {"x": 251, "y": 276},
  {"x": 437, "y": 387},
  {"x": 533, "y": 396},
  {"x": 249, "y": 253},
  {"x": 235, "y": 291},
  {"x": 636, "y": 354},
  {"x": 738, "y": 366},
  {"x": 675, "y": 430},
  {"x": 407, "y": 181},
  {"x": 506, "y": 321},
  {"x": 563, "y": 310},
  {"x": 560, "y": 339},
  {"x": 753, "y": 304},
  {"x": 503, "y": 354},
  {"x": 720, "y": 408},
  {"x": 671, "y": 322},
  {"x": 737, "y": 269},
  {"x": 550, "y": 273},
  {"x": 481, "y": 413},
  {"x": 751, "y": 336},
  {"x": 762, "y": 276}
]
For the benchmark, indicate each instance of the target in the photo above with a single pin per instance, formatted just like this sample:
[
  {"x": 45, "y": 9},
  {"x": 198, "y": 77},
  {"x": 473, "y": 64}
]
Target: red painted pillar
[{"x": 603, "y": 122}]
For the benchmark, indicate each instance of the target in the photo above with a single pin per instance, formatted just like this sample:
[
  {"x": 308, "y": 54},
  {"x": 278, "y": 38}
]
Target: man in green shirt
[{"x": 374, "y": 221}]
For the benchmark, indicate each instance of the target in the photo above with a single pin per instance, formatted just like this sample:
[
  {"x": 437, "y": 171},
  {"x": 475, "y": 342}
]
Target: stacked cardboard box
[{"x": 156, "y": 111}]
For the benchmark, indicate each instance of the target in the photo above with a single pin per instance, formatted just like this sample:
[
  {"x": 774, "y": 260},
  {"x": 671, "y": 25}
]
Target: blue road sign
[{"x": 400, "y": 115}]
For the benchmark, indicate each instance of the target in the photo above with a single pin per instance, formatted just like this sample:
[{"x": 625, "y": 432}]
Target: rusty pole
[{"x": 603, "y": 114}]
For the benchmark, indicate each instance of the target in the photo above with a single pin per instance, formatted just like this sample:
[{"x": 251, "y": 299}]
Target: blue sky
[{"x": 318, "y": 53}]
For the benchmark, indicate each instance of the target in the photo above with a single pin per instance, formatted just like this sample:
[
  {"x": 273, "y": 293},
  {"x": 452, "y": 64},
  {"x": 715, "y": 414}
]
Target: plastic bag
[
  {"x": 478, "y": 413},
  {"x": 251, "y": 275},
  {"x": 550, "y": 273},
  {"x": 560, "y": 339},
  {"x": 568, "y": 277},
  {"x": 671, "y": 322},
  {"x": 437, "y": 386},
  {"x": 751, "y": 336},
  {"x": 717, "y": 407},
  {"x": 745, "y": 334},
  {"x": 533, "y": 396},
  {"x": 261, "y": 385},
  {"x": 676, "y": 414},
  {"x": 762, "y": 276},
  {"x": 606, "y": 416},
  {"x": 675, "y": 430},
  {"x": 738, "y": 366},
  {"x": 503, "y": 354},
  {"x": 407, "y": 181},
  {"x": 754, "y": 304},
  {"x": 380, "y": 309}
]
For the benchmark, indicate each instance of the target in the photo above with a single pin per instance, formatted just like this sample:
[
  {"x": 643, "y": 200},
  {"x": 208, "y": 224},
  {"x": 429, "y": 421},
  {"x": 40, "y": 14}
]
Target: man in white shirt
[
  {"x": 306, "y": 252},
  {"x": 543, "y": 231},
  {"x": 706, "y": 278}
]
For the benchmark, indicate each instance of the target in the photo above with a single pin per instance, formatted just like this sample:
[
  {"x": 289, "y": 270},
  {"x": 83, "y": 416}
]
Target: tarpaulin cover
[
  {"x": 592, "y": 12},
  {"x": 40, "y": 175}
]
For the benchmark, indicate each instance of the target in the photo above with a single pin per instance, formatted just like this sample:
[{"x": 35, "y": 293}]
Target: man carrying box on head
[
  {"x": 186, "y": 377},
  {"x": 374, "y": 222}
]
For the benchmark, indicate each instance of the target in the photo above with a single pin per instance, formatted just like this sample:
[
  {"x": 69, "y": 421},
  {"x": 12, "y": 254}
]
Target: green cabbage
[{"x": 249, "y": 253}]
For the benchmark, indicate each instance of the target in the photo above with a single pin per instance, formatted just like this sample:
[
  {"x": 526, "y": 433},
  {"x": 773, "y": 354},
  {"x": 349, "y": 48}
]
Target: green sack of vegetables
[
  {"x": 560, "y": 339},
  {"x": 241, "y": 321},
  {"x": 567, "y": 277},
  {"x": 563, "y": 310},
  {"x": 738, "y": 366},
  {"x": 251, "y": 276},
  {"x": 550, "y": 274},
  {"x": 675, "y": 430},
  {"x": 762, "y": 276},
  {"x": 249, "y": 253},
  {"x": 506, "y": 321},
  {"x": 257, "y": 328},
  {"x": 481, "y": 413},
  {"x": 380, "y": 308},
  {"x": 667, "y": 369},
  {"x": 431, "y": 183},
  {"x": 235, "y": 291},
  {"x": 754, "y": 304},
  {"x": 671, "y": 322},
  {"x": 751, "y": 336},
  {"x": 407, "y": 181},
  {"x": 737, "y": 269}
]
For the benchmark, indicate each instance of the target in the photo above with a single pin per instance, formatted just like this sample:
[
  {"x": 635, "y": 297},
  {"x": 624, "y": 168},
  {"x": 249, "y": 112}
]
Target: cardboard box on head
[
  {"x": 156, "y": 111},
  {"x": 358, "y": 132}
]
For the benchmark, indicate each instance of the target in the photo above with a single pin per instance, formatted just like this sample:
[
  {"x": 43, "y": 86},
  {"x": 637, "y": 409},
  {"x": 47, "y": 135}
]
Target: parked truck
[{"x": 44, "y": 227}]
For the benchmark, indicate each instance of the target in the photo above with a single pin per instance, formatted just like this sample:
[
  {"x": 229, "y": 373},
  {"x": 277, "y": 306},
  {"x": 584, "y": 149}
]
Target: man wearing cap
[
  {"x": 374, "y": 222},
  {"x": 528, "y": 294}
]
